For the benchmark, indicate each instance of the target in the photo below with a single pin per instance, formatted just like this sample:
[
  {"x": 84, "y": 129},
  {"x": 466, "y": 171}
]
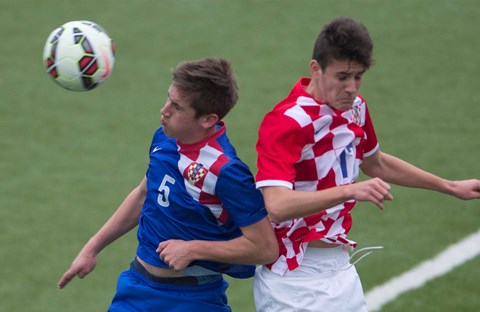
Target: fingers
[
  {"x": 172, "y": 252},
  {"x": 380, "y": 199},
  {"x": 388, "y": 197},
  {"x": 74, "y": 270},
  {"x": 65, "y": 279},
  {"x": 375, "y": 190},
  {"x": 466, "y": 189},
  {"x": 381, "y": 196},
  {"x": 163, "y": 257},
  {"x": 161, "y": 247},
  {"x": 167, "y": 259}
]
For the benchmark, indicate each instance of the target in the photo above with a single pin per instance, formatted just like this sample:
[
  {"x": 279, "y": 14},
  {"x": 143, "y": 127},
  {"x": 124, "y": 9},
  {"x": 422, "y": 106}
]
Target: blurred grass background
[{"x": 68, "y": 159}]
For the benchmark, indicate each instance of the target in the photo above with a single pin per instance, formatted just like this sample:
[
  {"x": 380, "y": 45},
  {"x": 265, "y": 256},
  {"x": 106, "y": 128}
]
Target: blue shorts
[{"x": 136, "y": 292}]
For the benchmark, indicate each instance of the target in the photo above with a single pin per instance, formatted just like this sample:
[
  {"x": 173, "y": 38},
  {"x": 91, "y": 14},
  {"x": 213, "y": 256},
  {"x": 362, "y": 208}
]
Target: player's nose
[
  {"x": 165, "y": 109},
  {"x": 351, "y": 86}
]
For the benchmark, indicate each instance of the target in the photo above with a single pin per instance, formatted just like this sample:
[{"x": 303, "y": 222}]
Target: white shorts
[{"x": 325, "y": 281}]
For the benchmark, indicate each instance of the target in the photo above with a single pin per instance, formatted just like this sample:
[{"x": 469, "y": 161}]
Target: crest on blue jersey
[{"x": 195, "y": 172}]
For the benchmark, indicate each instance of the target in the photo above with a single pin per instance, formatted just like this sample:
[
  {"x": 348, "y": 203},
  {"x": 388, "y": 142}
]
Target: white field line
[{"x": 447, "y": 260}]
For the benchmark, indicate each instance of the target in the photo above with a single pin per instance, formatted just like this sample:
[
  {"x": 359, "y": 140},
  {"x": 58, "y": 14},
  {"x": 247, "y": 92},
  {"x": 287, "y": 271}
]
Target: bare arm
[
  {"x": 396, "y": 171},
  {"x": 286, "y": 204},
  {"x": 257, "y": 245},
  {"x": 122, "y": 221}
]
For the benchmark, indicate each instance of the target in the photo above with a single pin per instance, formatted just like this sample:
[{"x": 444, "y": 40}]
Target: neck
[
  {"x": 313, "y": 91},
  {"x": 199, "y": 136}
]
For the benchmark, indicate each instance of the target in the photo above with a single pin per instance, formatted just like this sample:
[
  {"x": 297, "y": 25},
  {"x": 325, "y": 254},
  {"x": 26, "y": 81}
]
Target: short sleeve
[
  {"x": 279, "y": 147},
  {"x": 236, "y": 189},
  {"x": 371, "y": 142}
]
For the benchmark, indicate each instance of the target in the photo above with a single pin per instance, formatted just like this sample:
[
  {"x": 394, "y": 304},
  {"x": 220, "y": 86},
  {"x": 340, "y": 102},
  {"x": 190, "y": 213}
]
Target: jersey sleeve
[
  {"x": 279, "y": 147},
  {"x": 236, "y": 189},
  {"x": 371, "y": 142}
]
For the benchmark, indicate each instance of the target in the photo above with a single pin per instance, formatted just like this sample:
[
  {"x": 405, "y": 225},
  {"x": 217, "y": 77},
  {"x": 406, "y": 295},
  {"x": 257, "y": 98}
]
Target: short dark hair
[
  {"x": 343, "y": 39},
  {"x": 209, "y": 84}
]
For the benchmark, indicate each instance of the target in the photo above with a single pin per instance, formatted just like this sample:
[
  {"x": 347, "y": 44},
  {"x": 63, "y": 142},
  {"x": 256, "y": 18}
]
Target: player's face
[
  {"x": 178, "y": 118},
  {"x": 338, "y": 84}
]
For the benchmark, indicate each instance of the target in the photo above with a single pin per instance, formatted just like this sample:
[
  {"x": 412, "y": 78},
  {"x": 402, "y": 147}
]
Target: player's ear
[
  {"x": 315, "y": 68},
  {"x": 209, "y": 120}
]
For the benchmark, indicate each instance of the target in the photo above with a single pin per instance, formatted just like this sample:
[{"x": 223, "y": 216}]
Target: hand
[
  {"x": 175, "y": 253},
  {"x": 81, "y": 266},
  {"x": 374, "y": 190},
  {"x": 465, "y": 189}
]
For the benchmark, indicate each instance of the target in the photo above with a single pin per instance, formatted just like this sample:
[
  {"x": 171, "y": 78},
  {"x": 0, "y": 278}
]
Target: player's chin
[
  {"x": 344, "y": 105},
  {"x": 168, "y": 133}
]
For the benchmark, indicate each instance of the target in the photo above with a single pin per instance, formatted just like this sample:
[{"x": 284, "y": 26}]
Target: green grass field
[{"x": 68, "y": 159}]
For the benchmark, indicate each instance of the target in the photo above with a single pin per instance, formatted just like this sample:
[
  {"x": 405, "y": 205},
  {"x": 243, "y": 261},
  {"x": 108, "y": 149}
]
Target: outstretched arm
[
  {"x": 397, "y": 171},
  {"x": 285, "y": 204},
  {"x": 257, "y": 245},
  {"x": 122, "y": 221}
]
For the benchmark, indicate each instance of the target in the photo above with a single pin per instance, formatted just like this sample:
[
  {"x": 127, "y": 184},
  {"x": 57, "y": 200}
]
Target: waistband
[{"x": 182, "y": 280}]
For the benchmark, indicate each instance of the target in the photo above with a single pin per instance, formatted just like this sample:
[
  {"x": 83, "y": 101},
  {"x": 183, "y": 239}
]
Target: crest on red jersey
[
  {"x": 357, "y": 115},
  {"x": 195, "y": 172}
]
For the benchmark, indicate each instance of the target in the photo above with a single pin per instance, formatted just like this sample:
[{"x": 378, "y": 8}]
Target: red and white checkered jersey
[
  {"x": 201, "y": 167},
  {"x": 306, "y": 145}
]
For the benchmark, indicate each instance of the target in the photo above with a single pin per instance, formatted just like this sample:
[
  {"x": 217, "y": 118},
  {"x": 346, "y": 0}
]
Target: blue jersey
[{"x": 199, "y": 191}]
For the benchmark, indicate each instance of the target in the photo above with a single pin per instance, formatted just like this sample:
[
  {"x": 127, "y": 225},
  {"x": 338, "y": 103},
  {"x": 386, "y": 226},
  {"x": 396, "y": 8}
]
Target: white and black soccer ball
[{"x": 79, "y": 55}]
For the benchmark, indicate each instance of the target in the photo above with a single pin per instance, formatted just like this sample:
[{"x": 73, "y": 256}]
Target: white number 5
[{"x": 164, "y": 191}]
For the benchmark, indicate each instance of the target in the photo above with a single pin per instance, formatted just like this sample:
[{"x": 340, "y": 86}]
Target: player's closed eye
[{"x": 177, "y": 106}]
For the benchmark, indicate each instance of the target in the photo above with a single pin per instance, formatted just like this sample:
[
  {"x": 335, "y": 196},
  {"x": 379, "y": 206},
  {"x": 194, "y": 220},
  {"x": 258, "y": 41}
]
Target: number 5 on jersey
[{"x": 164, "y": 191}]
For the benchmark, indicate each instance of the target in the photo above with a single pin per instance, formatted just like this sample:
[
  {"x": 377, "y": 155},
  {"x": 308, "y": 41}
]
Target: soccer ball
[{"x": 79, "y": 55}]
